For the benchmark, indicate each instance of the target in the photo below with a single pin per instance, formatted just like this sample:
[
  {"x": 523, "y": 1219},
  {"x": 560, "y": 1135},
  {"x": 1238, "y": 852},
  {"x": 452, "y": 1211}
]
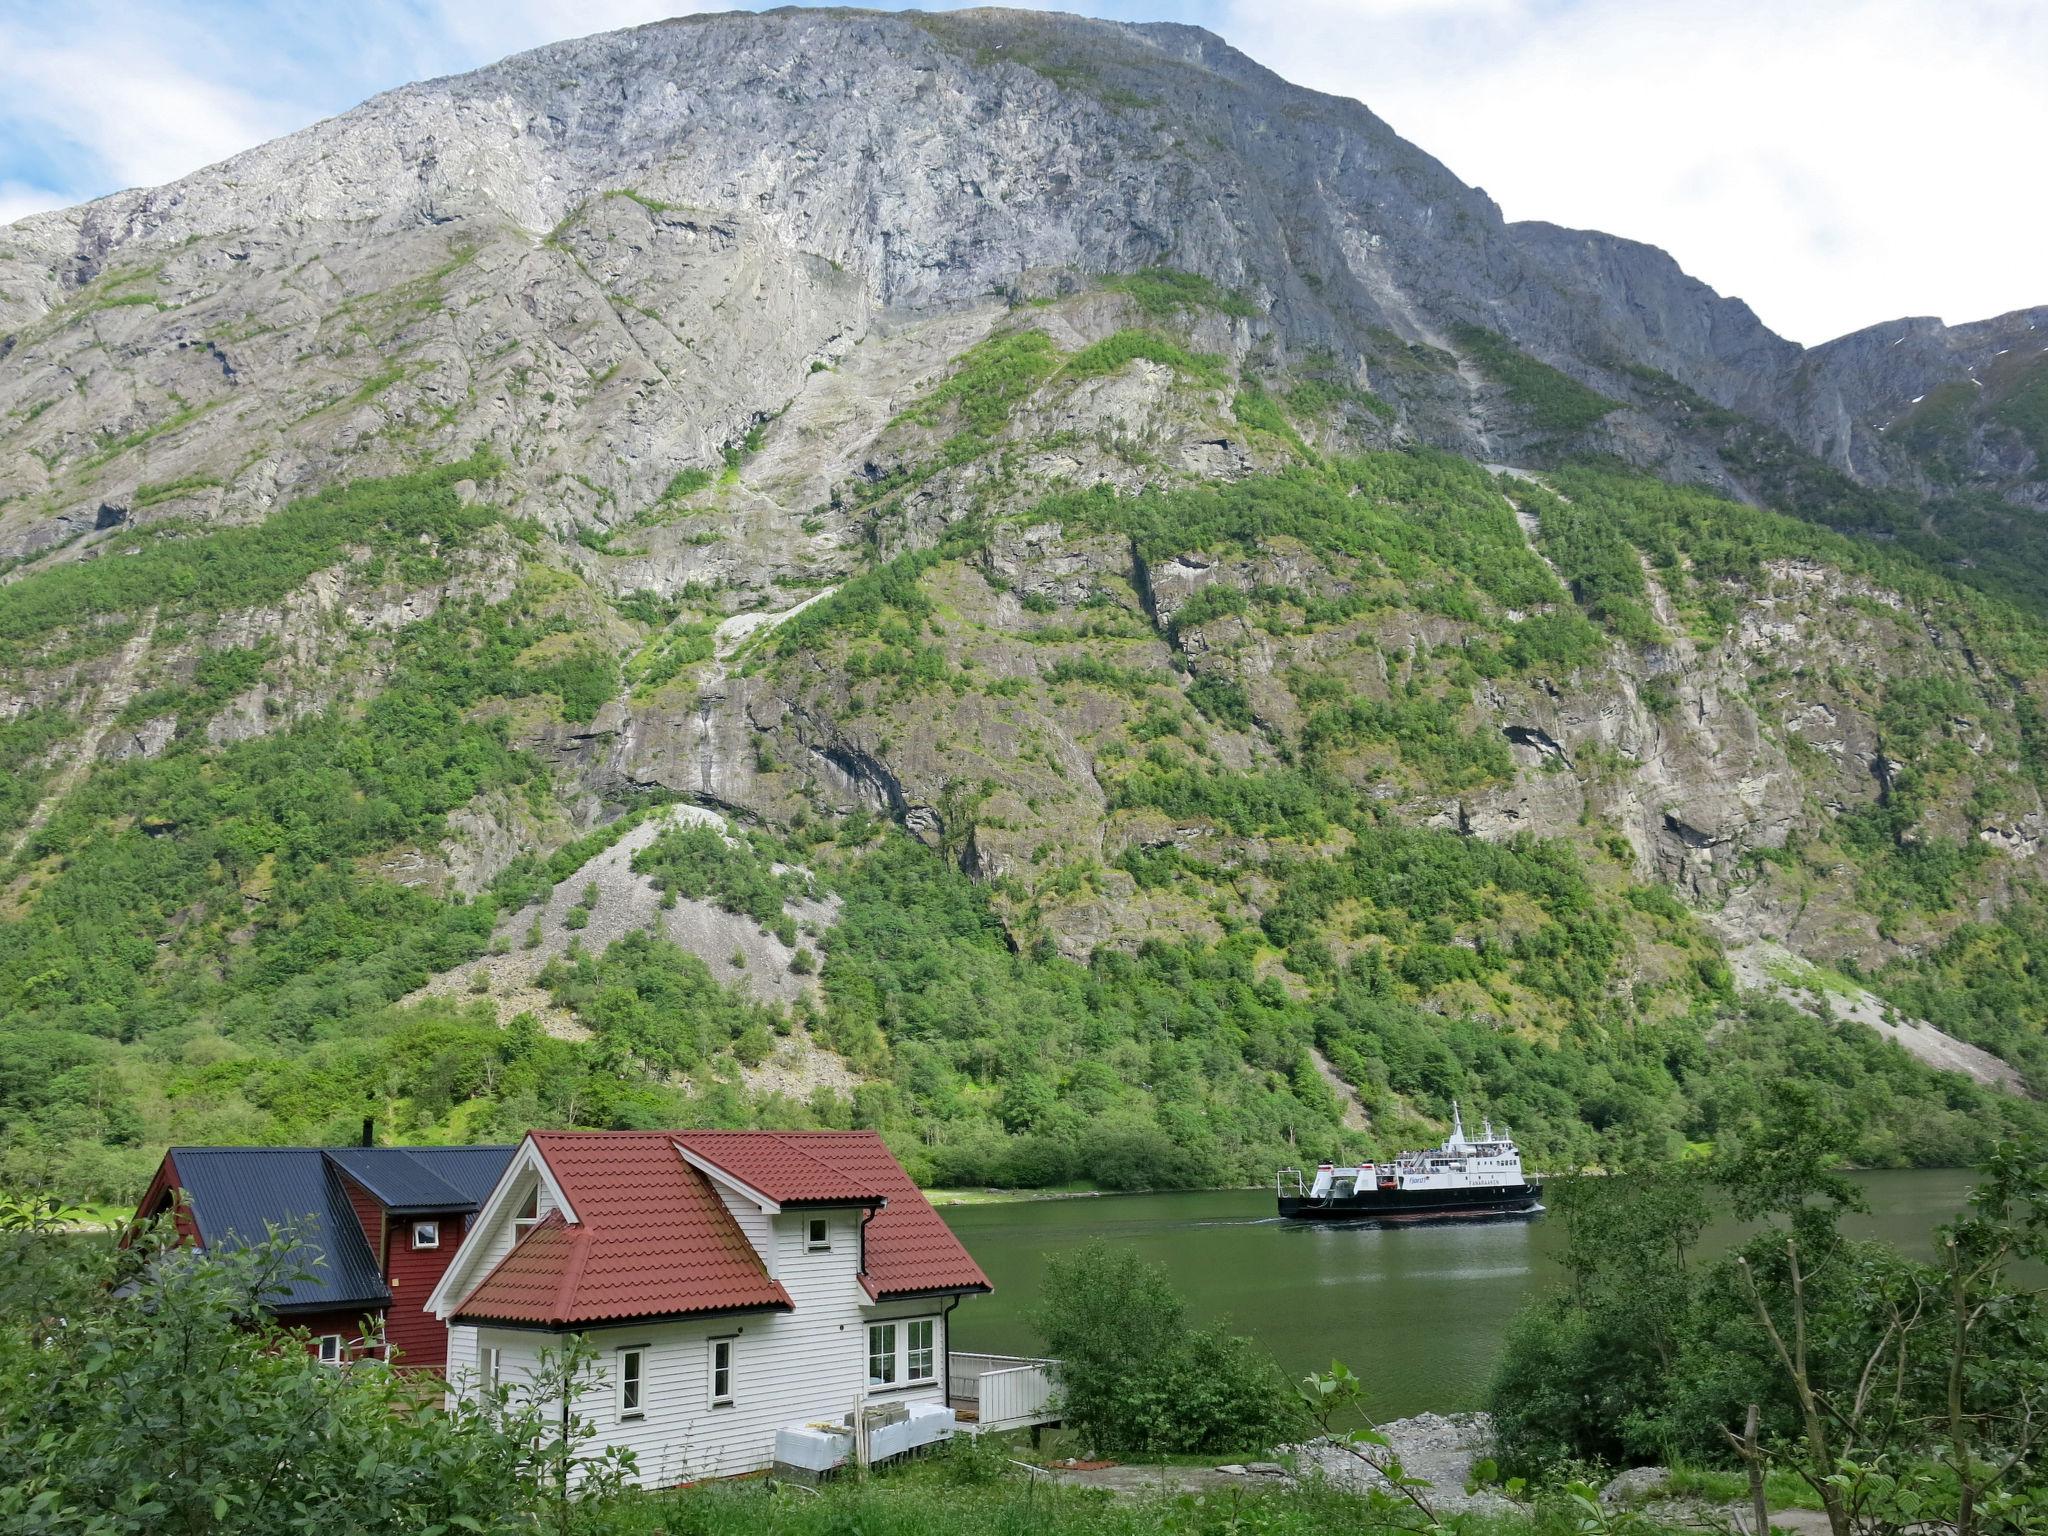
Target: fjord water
[{"x": 1417, "y": 1311}]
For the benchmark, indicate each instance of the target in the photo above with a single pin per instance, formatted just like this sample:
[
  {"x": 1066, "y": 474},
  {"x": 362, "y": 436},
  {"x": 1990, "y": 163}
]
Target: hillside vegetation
[
  {"x": 1191, "y": 773},
  {"x": 1116, "y": 674}
]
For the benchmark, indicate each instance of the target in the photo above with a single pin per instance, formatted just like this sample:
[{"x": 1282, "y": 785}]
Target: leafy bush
[
  {"x": 160, "y": 1399},
  {"x": 699, "y": 861},
  {"x": 1134, "y": 1378},
  {"x": 992, "y": 377},
  {"x": 181, "y": 574}
]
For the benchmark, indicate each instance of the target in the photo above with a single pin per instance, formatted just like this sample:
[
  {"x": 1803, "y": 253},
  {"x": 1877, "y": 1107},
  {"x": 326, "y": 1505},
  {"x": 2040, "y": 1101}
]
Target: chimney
[{"x": 369, "y": 1129}]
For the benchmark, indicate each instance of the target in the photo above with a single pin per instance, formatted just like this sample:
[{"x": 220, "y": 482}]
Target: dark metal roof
[
  {"x": 238, "y": 1194},
  {"x": 473, "y": 1170},
  {"x": 410, "y": 1181}
]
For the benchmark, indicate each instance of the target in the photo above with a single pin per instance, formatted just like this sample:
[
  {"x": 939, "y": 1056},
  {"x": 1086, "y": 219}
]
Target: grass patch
[
  {"x": 1553, "y": 401},
  {"x": 1164, "y": 291},
  {"x": 1113, "y": 352},
  {"x": 241, "y": 567},
  {"x": 153, "y": 493}
]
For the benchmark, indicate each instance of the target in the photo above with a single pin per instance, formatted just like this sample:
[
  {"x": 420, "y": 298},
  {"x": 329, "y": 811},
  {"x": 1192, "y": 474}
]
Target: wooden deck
[{"x": 1000, "y": 1392}]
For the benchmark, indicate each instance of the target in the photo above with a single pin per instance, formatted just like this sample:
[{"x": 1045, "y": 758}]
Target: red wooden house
[{"x": 382, "y": 1222}]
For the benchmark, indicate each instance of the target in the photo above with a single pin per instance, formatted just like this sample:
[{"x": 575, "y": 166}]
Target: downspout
[
  {"x": 873, "y": 1212},
  {"x": 946, "y": 1364},
  {"x": 568, "y": 1386}
]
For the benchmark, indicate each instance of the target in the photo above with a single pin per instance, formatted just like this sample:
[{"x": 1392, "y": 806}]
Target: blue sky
[{"x": 1834, "y": 162}]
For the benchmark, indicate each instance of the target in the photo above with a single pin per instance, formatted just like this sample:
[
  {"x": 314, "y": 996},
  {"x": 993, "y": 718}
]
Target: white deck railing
[{"x": 1005, "y": 1391}]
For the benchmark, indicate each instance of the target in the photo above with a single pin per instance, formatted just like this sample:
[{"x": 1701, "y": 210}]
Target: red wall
[
  {"x": 158, "y": 1199},
  {"x": 420, "y": 1338},
  {"x": 369, "y": 1215},
  {"x": 349, "y": 1323}
]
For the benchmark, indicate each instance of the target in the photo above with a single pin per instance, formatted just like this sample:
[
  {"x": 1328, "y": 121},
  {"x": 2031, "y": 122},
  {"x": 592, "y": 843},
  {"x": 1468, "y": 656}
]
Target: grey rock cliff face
[
  {"x": 748, "y": 246},
  {"x": 609, "y": 257}
]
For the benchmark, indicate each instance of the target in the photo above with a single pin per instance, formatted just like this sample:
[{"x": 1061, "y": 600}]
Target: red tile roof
[
  {"x": 910, "y": 1249},
  {"x": 652, "y": 1238},
  {"x": 776, "y": 1164}
]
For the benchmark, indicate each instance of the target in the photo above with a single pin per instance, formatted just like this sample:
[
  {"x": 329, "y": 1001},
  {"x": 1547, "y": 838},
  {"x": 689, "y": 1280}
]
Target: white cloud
[
  {"x": 19, "y": 199},
  {"x": 143, "y": 118},
  {"x": 1836, "y": 163},
  {"x": 140, "y": 106}
]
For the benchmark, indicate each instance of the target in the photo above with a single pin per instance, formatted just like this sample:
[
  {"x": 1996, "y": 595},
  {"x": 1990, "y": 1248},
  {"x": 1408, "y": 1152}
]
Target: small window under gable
[
  {"x": 528, "y": 1216},
  {"x": 818, "y": 1234},
  {"x": 426, "y": 1234}
]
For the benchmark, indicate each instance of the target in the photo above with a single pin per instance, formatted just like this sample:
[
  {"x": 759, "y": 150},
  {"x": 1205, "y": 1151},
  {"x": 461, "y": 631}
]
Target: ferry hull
[{"x": 1381, "y": 1204}]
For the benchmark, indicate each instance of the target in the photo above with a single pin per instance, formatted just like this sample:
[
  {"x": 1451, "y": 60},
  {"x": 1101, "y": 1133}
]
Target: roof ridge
[
  {"x": 506, "y": 1257},
  {"x": 838, "y": 1173},
  {"x": 572, "y": 1272}
]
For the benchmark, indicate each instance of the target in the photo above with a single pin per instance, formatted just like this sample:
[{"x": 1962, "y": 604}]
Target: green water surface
[{"x": 1417, "y": 1311}]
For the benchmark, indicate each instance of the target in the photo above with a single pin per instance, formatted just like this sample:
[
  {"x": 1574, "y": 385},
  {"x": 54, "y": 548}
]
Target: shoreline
[{"x": 1024, "y": 1196}]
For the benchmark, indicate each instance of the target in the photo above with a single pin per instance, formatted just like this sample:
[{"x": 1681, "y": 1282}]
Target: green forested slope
[
  {"x": 1193, "y": 887},
  {"x": 201, "y": 947}
]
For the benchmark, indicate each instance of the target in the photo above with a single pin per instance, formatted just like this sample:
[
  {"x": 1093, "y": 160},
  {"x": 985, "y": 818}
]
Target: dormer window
[
  {"x": 818, "y": 1235},
  {"x": 529, "y": 1214},
  {"x": 426, "y": 1234}
]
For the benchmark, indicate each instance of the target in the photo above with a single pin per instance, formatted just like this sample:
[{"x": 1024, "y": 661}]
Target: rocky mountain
[{"x": 1016, "y": 579}]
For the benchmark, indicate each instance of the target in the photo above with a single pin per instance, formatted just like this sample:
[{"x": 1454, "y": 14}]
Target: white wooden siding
[
  {"x": 498, "y": 1243},
  {"x": 462, "y": 1357},
  {"x": 788, "y": 1368}
]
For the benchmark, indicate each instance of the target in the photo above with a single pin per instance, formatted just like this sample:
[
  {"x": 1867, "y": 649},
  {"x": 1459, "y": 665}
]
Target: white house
[{"x": 735, "y": 1282}]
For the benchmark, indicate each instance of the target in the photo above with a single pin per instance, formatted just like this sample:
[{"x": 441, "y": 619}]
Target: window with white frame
[
  {"x": 721, "y": 1371},
  {"x": 529, "y": 1214},
  {"x": 818, "y": 1234},
  {"x": 487, "y": 1367},
  {"x": 919, "y": 1354},
  {"x": 631, "y": 1382},
  {"x": 881, "y": 1354},
  {"x": 426, "y": 1234},
  {"x": 330, "y": 1349},
  {"x": 903, "y": 1353}
]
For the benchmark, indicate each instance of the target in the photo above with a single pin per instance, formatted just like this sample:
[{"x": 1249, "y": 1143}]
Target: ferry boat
[{"x": 1460, "y": 1178}]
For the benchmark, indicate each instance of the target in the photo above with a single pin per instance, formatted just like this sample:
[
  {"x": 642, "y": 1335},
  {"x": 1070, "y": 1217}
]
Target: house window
[
  {"x": 721, "y": 1372},
  {"x": 330, "y": 1349},
  {"x": 630, "y": 1383},
  {"x": 487, "y": 1367},
  {"x": 918, "y": 1353},
  {"x": 818, "y": 1235},
  {"x": 881, "y": 1354},
  {"x": 426, "y": 1234},
  {"x": 529, "y": 1214}
]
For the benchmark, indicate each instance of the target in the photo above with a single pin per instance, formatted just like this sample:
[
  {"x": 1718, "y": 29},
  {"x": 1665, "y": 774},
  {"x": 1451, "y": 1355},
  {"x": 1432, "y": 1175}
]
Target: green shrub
[{"x": 1134, "y": 1378}]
